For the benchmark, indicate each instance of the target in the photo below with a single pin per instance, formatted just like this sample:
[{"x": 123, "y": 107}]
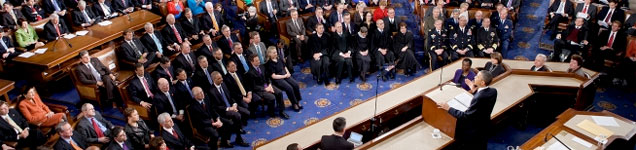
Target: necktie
[
  {"x": 145, "y": 82},
  {"x": 124, "y": 146},
  {"x": 123, "y": 3},
  {"x": 57, "y": 8},
  {"x": 37, "y": 16},
  {"x": 88, "y": 19},
  {"x": 585, "y": 9},
  {"x": 258, "y": 69},
  {"x": 260, "y": 54},
  {"x": 609, "y": 16},
  {"x": 611, "y": 40},
  {"x": 134, "y": 47},
  {"x": 269, "y": 9},
  {"x": 168, "y": 72},
  {"x": 509, "y": 3},
  {"x": 187, "y": 57},
  {"x": 105, "y": 9},
  {"x": 176, "y": 34},
  {"x": 229, "y": 41},
  {"x": 174, "y": 109},
  {"x": 174, "y": 133},
  {"x": 143, "y": 2},
  {"x": 296, "y": 24},
  {"x": 12, "y": 123},
  {"x": 561, "y": 7},
  {"x": 75, "y": 145},
  {"x": 96, "y": 74},
  {"x": 207, "y": 75},
  {"x": 222, "y": 66},
  {"x": 214, "y": 23},
  {"x": 210, "y": 49},
  {"x": 13, "y": 16},
  {"x": 57, "y": 29},
  {"x": 157, "y": 43},
  {"x": 3, "y": 44},
  {"x": 98, "y": 130},
  {"x": 203, "y": 104},
  {"x": 339, "y": 17},
  {"x": 240, "y": 85},
  {"x": 223, "y": 96},
  {"x": 247, "y": 68},
  {"x": 188, "y": 88},
  {"x": 493, "y": 68}
]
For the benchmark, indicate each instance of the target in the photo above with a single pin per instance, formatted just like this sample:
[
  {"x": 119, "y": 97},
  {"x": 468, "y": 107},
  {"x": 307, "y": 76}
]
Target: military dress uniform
[
  {"x": 462, "y": 39},
  {"x": 504, "y": 30},
  {"x": 486, "y": 38},
  {"x": 437, "y": 40}
]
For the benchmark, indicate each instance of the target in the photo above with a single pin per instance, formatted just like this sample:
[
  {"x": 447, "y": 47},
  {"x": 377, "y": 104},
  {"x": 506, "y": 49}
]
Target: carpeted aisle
[{"x": 528, "y": 30}]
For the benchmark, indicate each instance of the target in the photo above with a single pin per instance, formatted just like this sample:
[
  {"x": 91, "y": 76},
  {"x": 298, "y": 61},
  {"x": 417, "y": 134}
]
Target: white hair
[
  {"x": 542, "y": 57},
  {"x": 161, "y": 119}
]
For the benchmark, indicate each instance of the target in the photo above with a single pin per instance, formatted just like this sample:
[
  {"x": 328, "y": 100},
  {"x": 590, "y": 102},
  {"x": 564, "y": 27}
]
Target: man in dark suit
[
  {"x": 319, "y": 18},
  {"x": 227, "y": 41},
  {"x": 206, "y": 120},
  {"x": 437, "y": 45},
  {"x": 68, "y": 139},
  {"x": 390, "y": 21},
  {"x": 104, "y": 10},
  {"x": 574, "y": 38},
  {"x": 92, "y": 71},
  {"x": 172, "y": 135},
  {"x": 83, "y": 17},
  {"x": 10, "y": 16},
  {"x": 610, "y": 14},
  {"x": 218, "y": 62},
  {"x": 212, "y": 21},
  {"x": 286, "y": 6},
  {"x": 54, "y": 7},
  {"x": 320, "y": 50},
  {"x": 183, "y": 87},
  {"x": 342, "y": 53},
  {"x": 7, "y": 49},
  {"x": 32, "y": 11},
  {"x": 270, "y": 9},
  {"x": 558, "y": 12},
  {"x": 262, "y": 88},
  {"x": 147, "y": 5},
  {"x": 511, "y": 4},
  {"x": 307, "y": 6},
  {"x": 473, "y": 124},
  {"x": 173, "y": 33},
  {"x": 14, "y": 128},
  {"x": 586, "y": 9},
  {"x": 165, "y": 71},
  {"x": 236, "y": 83},
  {"x": 154, "y": 42},
  {"x": 240, "y": 58},
  {"x": 55, "y": 28},
  {"x": 539, "y": 63},
  {"x": 381, "y": 46},
  {"x": 120, "y": 141},
  {"x": 296, "y": 30},
  {"x": 124, "y": 6},
  {"x": 610, "y": 43},
  {"x": 166, "y": 102},
  {"x": 202, "y": 77},
  {"x": 135, "y": 51},
  {"x": 208, "y": 47},
  {"x": 93, "y": 127},
  {"x": 336, "y": 16},
  {"x": 186, "y": 60},
  {"x": 348, "y": 26},
  {"x": 486, "y": 39},
  {"x": 190, "y": 25},
  {"x": 229, "y": 108},
  {"x": 462, "y": 41},
  {"x": 141, "y": 87},
  {"x": 336, "y": 140}
]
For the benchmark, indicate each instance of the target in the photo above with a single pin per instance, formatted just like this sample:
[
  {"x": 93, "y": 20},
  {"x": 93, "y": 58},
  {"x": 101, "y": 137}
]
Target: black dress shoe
[
  {"x": 284, "y": 115},
  {"x": 338, "y": 81},
  {"x": 296, "y": 109},
  {"x": 351, "y": 80},
  {"x": 226, "y": 144},
  {"x": 242, "y": 131},
  {"x": 301, "y": 107},
  {"x": 384, "y": 78},
  {"x": 241, "y": 143}
]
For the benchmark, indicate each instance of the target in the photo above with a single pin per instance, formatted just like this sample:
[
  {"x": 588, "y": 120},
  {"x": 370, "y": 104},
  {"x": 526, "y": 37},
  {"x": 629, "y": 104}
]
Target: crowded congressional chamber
[{"x": 317, "y": 74}]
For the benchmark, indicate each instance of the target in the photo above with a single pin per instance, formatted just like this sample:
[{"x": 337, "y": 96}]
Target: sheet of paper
[
  {"x": 81, "y": 33},
  {"x": 69, "y": 36},
  {"x": 601, "y": 23},
  {"x": 605, "y": 121},
  {"x": 105, "y": 23},
  {"x": 455, "y": 104},
  {"x": 582, "y": 142},
  {"x": 557, "y": 146},
  {"x": 26, "y": 54},
  {"x": 581, "y": 15},
  {"x": 591, "y": 127},
  {"x": 40, "y": 50},
  {"x": 464, "y": 98}
]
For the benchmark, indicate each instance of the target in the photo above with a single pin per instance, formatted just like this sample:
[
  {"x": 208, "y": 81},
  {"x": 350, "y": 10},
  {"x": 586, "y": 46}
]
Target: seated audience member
[
  {"x": 575, "y": 66},
  {"x": 165, "y": 71},
  {"x": 463, "y": 10},
  {"x": 120, "y": 140},
  {"x": 320, "y": 48},
  {"x": 55, "y": 28},
  {"x": 208, "y": 48},
  {"x": 206, "y": 120},
  {"x": 26, "y": 37},
  {"x": 257, "y": 47},
  {"x": 295, "y": 146},
  {"x": 358, "y": 15},
  {"x": 486, "y": 39},
  {"x": 284, "y": 54},
  {"x": 165, "y": 100},
  {"x": 511, "y": 4},
  {"x": 335, "y": 16},
  {"x": 429, "y": 21},
  {"x": 626, "y": 72},
  {"x": 287, "y": 6},
  {"x": 341, "y": 54},
  {"x": 182, "y": 90},
  {"x": 197, "y": 6},
  {"x": 175, "y": 8},
  {"x": 316, "y": 19},
  {"x": 10, "y": 16},
  {"x": 138, "y": 133},
  {"x": 263, "y": 89},
  {"x": 212, "y": 21},
  {"x": 281, "y": 78},
  {"x": 586, "y": 10},
  {"x": 539, "y": 63},
  {"x": 495, "y": 65},
  {"x": 173, "y": 33},
  {"x": 466, "y": 72},
  {"x": 381, "y": 45},
  {"x": 462, "y": 41},
  {"x": 36, "y": 113},
  {"x": 202, "y": 77},
  {"x": 185, "y": 60},
  {"x": 240, "y": 58},
  {"x": 135, "y": 52},
  {"x": 54, "y": 7},
  {"x": 92, "y": 71},
  {"x": 574, "y": 38},
  {"x": 437, "y": 45},
  {"x": 348, "y": 26},
  {"x": 381, "y": 11},
  {"x": 610, "y": 14},
  {"x": 609, "y": 43},
  {"x": 190, "y": 25},
  {"x": 251, "y": 20},
  {"x": 14, "y": 128},
  {"x": 141, "y": 87},
  {"x": 336, "y": 140},
  {"x": 7, "y": 49},
  {"x": 83, "y": 17},
  {"x": 361, "y": 48},
  {"x": 218, "y": 62},
  {"x": 504, "y": 29},
  {"x": 153, "y": 41},
  {"x": 123, "y": 6},
  {"x": 476, "y": 21},
  {"x": 170, "y": 132},
  {"x": 68, "y": 138},
  {"x": 307, "y": 6},
  {"x": 147, "y": 5},
  {"x": 438, "y": 6},
  {"x": 93, "y": 127},
  {"x": 229, "y": 108},
  {"x": 559, "y": 11},
  {"x": 226, "y": 42},
  {"x": 452, "y": 22},
  {"x": 236, "y": 83},
  {"x": 495, "y": 16},
  {"x": 104, "y": 9},
  {"x": 32, "y": 11},
  {"x": 270, "y": 9},
  {"x": 391, "y": 23}
]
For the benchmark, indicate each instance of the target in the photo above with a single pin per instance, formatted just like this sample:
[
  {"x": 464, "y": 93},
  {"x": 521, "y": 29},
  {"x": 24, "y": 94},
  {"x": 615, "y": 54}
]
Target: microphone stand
[
  {"x": 65, "y": 40},
  {"x": 545, "y": 139},
  {"x": 374, "y": 119},
  {"x": 440, "y": 78}
]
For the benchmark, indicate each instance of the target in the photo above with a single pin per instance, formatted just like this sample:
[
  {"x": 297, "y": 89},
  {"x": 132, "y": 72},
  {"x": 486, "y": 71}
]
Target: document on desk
[
  {"x": 81, "y": 33},
  {"x": 26, "y": 54},
  {"x": 557, "y": 146},
  {"x": 605, "y": 121},
  {"x": 40, "y": 50},
  {"x": 104, "y": 23},
  {"x": 593, "y": 128},
  {"x": 461, "y": 101},
  {"x": 69, "y": 36}
]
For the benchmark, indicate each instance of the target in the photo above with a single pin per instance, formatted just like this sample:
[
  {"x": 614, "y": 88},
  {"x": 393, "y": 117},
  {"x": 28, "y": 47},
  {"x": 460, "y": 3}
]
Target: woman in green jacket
[{"x": 26, "y": 37}]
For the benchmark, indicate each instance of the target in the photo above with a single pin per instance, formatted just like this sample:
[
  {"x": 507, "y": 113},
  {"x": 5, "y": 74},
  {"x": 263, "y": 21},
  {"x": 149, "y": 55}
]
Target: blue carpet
[{"x": 528, "y": 30}]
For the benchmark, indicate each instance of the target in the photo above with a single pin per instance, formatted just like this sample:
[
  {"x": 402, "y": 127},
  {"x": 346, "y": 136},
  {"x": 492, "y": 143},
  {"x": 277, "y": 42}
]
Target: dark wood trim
[{"x": 392, "y": 133}]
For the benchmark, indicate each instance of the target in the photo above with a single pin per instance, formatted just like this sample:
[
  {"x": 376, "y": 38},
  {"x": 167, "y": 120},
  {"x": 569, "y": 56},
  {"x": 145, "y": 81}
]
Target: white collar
[
  {"x": 482, "y": 88},
  {"x": 169, "y": 130}
]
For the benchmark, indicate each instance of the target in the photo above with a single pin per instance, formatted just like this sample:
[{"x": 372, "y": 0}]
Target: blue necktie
[
  {"x": 227, "y": 104},
  {"x": 247, "y": 68},
  {"x": 157, "y": 43},
  {"x": 57, "y": 8},
  {"x": 3, "y": 44},
  {"x": 260, "y": 54},
  {"x": 188, "y": 87},
  {"x": 208, "y": 75}
]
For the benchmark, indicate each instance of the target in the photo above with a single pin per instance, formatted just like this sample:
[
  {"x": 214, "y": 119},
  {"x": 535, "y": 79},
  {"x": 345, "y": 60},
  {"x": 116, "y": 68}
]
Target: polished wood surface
[
  {"x": 5, "y": 87},
  {"x": 417, "y": 135}
]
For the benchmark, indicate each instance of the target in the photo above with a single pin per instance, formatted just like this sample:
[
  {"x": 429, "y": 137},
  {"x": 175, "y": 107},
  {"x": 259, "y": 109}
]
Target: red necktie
[
  {"x": 229, "y": 40},
  {"x": 168, "y": 72},
  {"x": 609, "y": 16},
  {"x": 174, "y": 133},
  {"x": 97, "y": 129},
  {"x": 57, "y": 28},
  {"x": 176, "y": 33},
  {"x": 585, "y": 9},
  {"x": 143, "y": 2},
  {"x": 611, "y": 40},
  {"x": 37, "y": 16},
  {"x": 147, "y": 88}
]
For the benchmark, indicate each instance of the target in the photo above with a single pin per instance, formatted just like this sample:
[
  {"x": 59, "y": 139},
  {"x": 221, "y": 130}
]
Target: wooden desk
[
  {"x": 5, "y": 87},
  {"x": 47, "y": 66},
  {"x": 568, "y": 116}
]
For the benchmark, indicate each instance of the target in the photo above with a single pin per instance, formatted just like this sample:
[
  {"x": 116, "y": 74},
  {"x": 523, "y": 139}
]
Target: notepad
[
  {"x": 460, "y": 102},
  {"x": 593, "y": 128},
  {"x": 104, "y": 23},
  {"x": 40, "y": 50},
  {"x": 69, "y": 36},
  {"x": 81, "y": 33},
  {"x": 605, "y": 121},
  {"x": 26, "y": 54},
  {"x": 582, "y": 142}
]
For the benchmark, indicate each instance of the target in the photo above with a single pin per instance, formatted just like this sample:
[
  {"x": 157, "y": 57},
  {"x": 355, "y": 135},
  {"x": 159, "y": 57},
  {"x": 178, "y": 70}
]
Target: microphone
[
  {"x": 440, "y": 78},
  {"x": 69, "y": 43},
  {"x": 545, "y": 139}
]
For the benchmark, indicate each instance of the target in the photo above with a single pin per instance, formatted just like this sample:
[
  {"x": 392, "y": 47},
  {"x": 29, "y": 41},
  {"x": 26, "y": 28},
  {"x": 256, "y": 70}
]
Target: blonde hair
[{"x": 269, "y": 50}]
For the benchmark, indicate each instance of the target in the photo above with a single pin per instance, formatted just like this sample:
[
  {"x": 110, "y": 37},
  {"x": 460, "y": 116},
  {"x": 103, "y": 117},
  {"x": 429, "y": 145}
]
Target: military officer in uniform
[
  {"x": 437, "y": 45},
  {"x": 462, "y": 41},
  {"x": 504, "y": 28},
  {"x": 486, "y": 39}
]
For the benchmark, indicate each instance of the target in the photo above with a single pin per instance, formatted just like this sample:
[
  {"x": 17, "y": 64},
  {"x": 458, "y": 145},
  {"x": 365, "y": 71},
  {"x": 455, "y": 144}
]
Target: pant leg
[
  {"x": 315, "y": 68},
  {"x": 349, "y": 67},
  {"x": 289, "y": 90},
  {"x": 214, "y": 137},
  {"x": 294, "y": 84},
  {"x": 558, "y": 48},
  {"x": 504, "y": 47}
]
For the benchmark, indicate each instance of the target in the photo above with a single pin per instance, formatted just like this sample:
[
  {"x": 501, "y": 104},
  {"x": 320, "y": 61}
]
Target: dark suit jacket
[
  {"x": 169, "y": 35},
  {"x": 85, "y": 128},
  {"x": 150, "y": 45},
  {"x": 216, "y": 66},
  {"x": 162, "y": 103},
  {"x": 200, "y": 78},
  {"x": 77, "y": 137},
  {"x": 8, "y": 21},
  {"x": 100, "y": 12},
  {"x": 255, "y": 81},
  {"x": 191, "y": 28},
  {"x": 568, "y": 9},
  {"x": 181, "y": 62},
  {"x": 160, "y": 72},
  {"x": 130, "y": 53},
  {"x": 320, "y": 44},
  {"x": 499, "y": 69},
  {"x": 225, "y": 45},
  {"x": 206, "y": 21},
  {"x": 313, "y": 21},
  {"x": 262, "y": 8},
  {"x": 620, "y": 40},
  {"x": 119, "y": 6},
  {"x": 86, "y": 76},
  {"x": 232, "y": 85},
  {"x": 78, "y": 17},
  {"x": 181, "y": 92},
  {"x": 8, "y": 43},
  {"x": 136, "y": 89},
  {"x": 205, "y": 51},
  {"x": 30, "y": 15},
  {"x": 239, "y": 66},
  {"x": 333, "y": 18},
  {"x": 217, "y": 99},
  {"x": 335, "y": 142},
  {"x": 354, "y": 28},
  {"x": 176, "y": 144},
  {"x": 582, "y": 34},
  {"x": 591, "y": 10},
  {"x": 393, "y": 27},
  {"x": 617, "y": 15},
  {"x": 202, "y": 118},
  {"x": 8, "y": 133},
  {"x": 50, "y": 33},
  {"x": 472, "y": 123},
  {"x": 49, "y": 8},
  {"x": 114, "y": 146},
  {"x": 540, "y": 69}
]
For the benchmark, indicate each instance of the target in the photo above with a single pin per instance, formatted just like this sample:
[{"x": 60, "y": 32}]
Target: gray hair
[
  {"x": 148, "y": 25},
  {"x": 542, "y": 56},
  {"x": 59, "y": 126},
  {"x": 209, "y": 4},
  {"x": 161, "y": 119},
  {"x": 54, "y": 16},
  {"x": 85, "y": 106},
  {"x": 81, "y": 3}
]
